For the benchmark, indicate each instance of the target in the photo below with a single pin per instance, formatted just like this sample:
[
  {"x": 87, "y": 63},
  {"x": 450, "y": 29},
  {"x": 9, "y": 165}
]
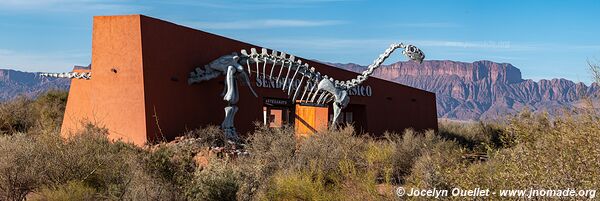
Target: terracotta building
[{"x": 139, "y": 88}]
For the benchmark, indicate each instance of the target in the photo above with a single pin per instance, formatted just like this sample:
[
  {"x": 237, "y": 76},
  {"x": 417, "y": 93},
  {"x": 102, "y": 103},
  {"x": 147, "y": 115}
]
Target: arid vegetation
[{"x": 524, "y": 151}]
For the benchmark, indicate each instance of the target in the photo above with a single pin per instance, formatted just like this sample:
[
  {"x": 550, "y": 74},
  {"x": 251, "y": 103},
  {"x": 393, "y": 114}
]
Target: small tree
[{"x": 595, "y": 69}]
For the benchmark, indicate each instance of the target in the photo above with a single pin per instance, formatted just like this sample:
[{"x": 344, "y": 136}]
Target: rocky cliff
[
  {"x": 14, "y": 83},
  {"x": 482, "y": 89}
]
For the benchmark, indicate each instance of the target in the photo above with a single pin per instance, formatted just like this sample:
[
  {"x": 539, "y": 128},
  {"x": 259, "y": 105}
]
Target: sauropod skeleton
[{"x": 301, "y": 82}]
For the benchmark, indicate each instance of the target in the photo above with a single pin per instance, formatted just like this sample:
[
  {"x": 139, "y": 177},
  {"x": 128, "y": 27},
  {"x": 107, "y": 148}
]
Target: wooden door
[{"x": 310, "y": 119}]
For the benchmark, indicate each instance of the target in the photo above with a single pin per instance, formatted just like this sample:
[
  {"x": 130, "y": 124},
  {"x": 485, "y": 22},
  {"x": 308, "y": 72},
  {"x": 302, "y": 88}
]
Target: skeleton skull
[{"x": 414, "y": 53}]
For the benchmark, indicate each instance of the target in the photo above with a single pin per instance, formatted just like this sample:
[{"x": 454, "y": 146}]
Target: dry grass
[{"x": 526, "y": 151}]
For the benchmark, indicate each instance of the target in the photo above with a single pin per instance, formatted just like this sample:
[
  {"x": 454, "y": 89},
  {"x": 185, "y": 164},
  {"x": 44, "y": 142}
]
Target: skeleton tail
[{"x": 70, "y": 75}]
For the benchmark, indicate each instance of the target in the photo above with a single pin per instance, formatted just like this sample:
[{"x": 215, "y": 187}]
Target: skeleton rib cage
[{"x": 297, "y": 79}]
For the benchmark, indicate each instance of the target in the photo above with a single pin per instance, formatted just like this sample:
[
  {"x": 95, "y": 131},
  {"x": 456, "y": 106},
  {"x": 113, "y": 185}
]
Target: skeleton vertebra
[{"x": 312, "y": 87}]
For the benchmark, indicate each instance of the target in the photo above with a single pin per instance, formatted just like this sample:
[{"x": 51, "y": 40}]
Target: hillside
[
  {"x": 14, "y": 83},
  {"x": 482, "y": 89}
]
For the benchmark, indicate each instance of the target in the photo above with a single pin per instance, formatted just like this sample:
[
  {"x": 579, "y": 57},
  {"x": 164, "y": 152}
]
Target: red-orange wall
[
  {"x": 148, "y": 97},
  {"x": 78, "y": 106}
]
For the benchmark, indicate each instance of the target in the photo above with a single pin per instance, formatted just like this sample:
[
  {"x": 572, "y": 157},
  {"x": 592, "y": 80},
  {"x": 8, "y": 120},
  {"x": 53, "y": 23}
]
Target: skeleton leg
[
  {"x": 228, "y": 125},
  {"x": 338, "y": 106},
  {"x": 230, "y": 84},
  {"x": 337, "y": 110},
  {"x": 231, "y": 97}
]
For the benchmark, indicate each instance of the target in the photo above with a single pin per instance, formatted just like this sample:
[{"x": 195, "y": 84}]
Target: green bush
[
  {"x": 328, "y": 149},
  {"x": 16, "y": 116},
  {"x": 538, "y": 153},
  {"x": 271, "y": 150},
  {"x": 298, "y": 185},
  {"x": 29, "y": 163},
  {"x": 435, "y": 159},
  {"x": 20, "y": 171},
  {"x": 72, "y": 190},
  {"x": 219, "y": 181},
  {"x": 550, "y": 154},
  {"x": 45, "y": 113},
  {"x": 172, "y": 167},
  {"x": 49, "y": 109}
]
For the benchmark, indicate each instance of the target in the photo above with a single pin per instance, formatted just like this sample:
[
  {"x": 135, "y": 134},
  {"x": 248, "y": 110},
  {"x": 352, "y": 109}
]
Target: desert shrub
[
  {"x": 49, "y": 109},
  {"x": 299, "y": 185},
  {"x": 433, "y": 162},
  {"x": 218, "y": 181},
  {"x": 207, "y": 136},
  {"x": 43, "y": 113},
  {"x": 379, "y": 156},
  {"x": 478, "y": 136},
  {"x": 16, "y": 116},
  {"x": 538, "y": 153},
  {"x": 312, "y": 183},
  {"x": 407, "y": 150},
  {"x": 327, "y": 149},
  {"x": 562, "y": 153},
  {"x": 270, "y": 150},
  {"x": 19, "y": 167},
  {"x": 73, "y": 190},
  {"x": 90, "y": 157},
  {"x": 30, "y": 163},
  {"x": 411, "y": 146},
  {"x": 525, "y": 128},
  {"x": 173, "y": 167},
  {"x": 334, "y": 165},
  {"x": 143, "y": 184}
]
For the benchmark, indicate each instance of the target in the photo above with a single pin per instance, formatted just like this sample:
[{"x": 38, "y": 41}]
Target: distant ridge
[
  {"x": 482, "y": 89},
  {"x": 14, "y": 83}
]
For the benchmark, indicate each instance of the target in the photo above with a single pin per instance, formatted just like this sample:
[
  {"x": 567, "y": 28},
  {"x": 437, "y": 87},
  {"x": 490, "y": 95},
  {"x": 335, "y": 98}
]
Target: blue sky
[{"x": 545, "y": 39}]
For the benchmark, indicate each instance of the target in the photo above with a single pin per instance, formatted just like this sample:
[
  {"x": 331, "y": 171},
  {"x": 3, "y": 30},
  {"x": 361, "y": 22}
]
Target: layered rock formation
[{"x": 482, "y": 89}]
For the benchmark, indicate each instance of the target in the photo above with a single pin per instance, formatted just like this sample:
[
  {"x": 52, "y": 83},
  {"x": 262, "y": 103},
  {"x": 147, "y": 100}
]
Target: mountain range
[
  {"x": 15, "y": 83},
  {"x": 464, "y": 91},
  {"x": 483, "y": 89}
]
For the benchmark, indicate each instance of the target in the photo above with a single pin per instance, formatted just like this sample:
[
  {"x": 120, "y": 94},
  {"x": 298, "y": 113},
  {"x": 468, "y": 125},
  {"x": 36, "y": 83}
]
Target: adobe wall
[{"x": 114, "y": 96}]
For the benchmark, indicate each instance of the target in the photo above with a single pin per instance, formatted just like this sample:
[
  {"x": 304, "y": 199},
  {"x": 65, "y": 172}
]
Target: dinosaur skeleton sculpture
[{"x": 300, "y": 81}]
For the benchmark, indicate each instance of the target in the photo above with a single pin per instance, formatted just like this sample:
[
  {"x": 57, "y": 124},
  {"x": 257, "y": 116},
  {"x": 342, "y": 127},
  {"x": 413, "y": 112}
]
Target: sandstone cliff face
[
  {"x": 482, "y": 89},
  {"x": 14, "y": 83}
]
